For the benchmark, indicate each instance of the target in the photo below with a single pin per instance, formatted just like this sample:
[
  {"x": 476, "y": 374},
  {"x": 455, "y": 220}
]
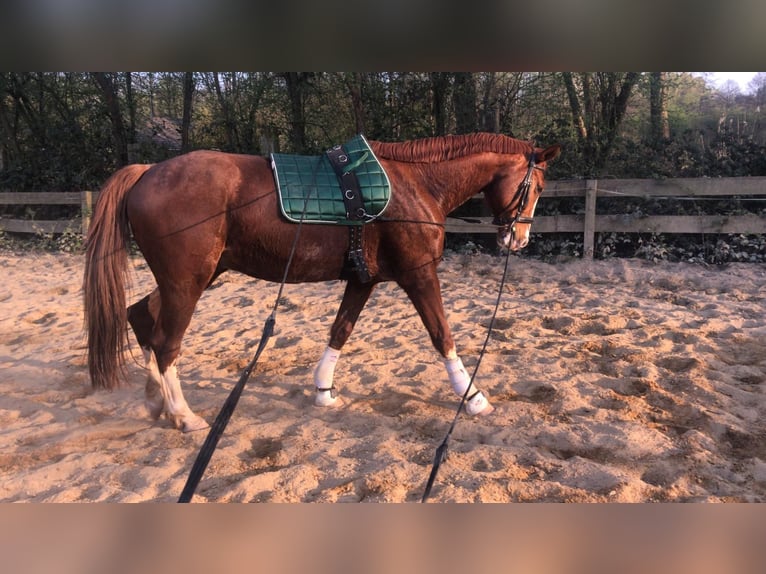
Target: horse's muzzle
[{"x": 512, "y": 238}]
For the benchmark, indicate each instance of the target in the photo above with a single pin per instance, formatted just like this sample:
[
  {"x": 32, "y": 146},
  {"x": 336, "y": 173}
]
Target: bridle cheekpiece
[{"x": 520, "y": 198}]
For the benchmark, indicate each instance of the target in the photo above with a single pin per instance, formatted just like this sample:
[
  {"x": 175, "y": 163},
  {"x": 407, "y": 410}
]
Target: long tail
[{"x": 106, "y": 268}]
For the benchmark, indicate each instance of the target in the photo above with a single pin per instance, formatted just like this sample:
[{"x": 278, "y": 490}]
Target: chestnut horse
[{"x": 200, "y": 214}]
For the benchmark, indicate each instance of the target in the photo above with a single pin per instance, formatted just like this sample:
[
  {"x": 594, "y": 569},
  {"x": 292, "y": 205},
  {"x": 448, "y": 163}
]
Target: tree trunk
[
  {"x": 230, "y": 126},
  {"x": 186, "y": 120},
  {"x": 130, "y": 102},
  {"x": 296, "y": 93},
  {"x": 10, "y": 150},
  {"x": 658, "y": 111},
  {"x": 614, "y": 108},
  {"x": 353, "y": 82},
  {"x": 490, "y": 112},
  {"x": 578, "y": 118},
  {"x": 464, "y": 99},
  {"x": 109, "y": 93},
  {"x": 439, "y": 88}
]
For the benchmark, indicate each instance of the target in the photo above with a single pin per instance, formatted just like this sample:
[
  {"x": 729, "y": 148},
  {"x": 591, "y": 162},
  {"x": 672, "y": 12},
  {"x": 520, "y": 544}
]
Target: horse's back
[
  {"x": 205, "y": 176},
  {"x": 185, "y": 203}
]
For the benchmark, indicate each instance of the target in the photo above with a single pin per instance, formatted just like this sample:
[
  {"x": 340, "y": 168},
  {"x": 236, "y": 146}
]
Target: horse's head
[{"x": 513, "y": 197}]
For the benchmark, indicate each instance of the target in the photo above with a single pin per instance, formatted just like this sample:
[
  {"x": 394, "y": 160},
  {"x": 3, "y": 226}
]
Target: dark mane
[{"x": 449, "y": 147}]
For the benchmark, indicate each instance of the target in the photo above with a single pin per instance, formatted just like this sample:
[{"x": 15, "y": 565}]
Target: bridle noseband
[{"x": 521, "y": 197}]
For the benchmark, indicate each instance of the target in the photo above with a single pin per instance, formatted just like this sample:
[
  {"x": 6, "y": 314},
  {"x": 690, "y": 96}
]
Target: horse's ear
[{"x": 548, "y": 154}]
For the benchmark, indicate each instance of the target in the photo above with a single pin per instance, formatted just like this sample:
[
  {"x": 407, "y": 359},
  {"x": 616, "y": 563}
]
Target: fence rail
[
  {"x": 587, "y": 223},
  {"x": 84, "y": 199}
]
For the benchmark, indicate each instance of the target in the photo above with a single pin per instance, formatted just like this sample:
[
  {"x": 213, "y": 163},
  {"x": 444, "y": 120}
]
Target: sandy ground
[{"x": 617, "y": 380}]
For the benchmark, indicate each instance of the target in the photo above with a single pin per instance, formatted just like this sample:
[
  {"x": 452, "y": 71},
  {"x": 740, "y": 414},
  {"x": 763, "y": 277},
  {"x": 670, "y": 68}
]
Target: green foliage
[
  {"x": 56, "y": 131},
  {"x": 70, "y": 241}
]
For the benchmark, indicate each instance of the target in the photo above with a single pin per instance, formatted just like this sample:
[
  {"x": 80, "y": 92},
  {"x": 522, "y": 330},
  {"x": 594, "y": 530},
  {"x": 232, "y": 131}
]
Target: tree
[
  {"x": 226, "y": 108},
  {"x": 69, "y": 130},
  {"x": 658, "y": 111},
  {"x": 757, "y": 86},
  {"x": 598, "y": 101},
  {"x": 187, "y": 113},
  {"x": 353, "y": 82},
  {"x": 112, "y": 103},
  {"x": 9, "y": 144},
  {"x": 130, "y": 103},
  {"x": 297, "y": 87},
  {"x": 440, "y": 85},
  {"x": 464, "y": 98},
  {"x": 490, "y": 110}
]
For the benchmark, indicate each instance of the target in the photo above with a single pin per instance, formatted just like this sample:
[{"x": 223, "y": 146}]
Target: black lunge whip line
[
  {"x": 216, "y": 431},
  {"x": 441, "y": 451}
]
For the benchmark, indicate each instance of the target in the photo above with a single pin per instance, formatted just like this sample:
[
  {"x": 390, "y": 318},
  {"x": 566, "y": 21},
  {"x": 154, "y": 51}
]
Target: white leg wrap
[
  {"x": 460, "y": 381},
  {"x": 458, "y": 376},
  {"x": 323, "y": 378}
]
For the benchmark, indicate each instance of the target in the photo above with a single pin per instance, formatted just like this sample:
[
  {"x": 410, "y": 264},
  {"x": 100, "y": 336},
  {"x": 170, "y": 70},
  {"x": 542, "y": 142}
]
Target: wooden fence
[
  {"x": 84, "y": 199},
  {"x": 587, "y": 223}
]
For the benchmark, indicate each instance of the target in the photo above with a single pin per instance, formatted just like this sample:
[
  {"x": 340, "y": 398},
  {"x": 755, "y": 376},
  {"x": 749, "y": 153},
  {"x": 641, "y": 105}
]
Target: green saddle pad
[{"x": 310, "y": 182}]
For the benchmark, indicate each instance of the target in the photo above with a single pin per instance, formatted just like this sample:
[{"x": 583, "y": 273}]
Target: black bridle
[{"x": 520, "y": 198}]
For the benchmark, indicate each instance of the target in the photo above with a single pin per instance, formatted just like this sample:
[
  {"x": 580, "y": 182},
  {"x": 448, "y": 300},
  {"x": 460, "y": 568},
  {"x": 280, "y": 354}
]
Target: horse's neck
[{"x": 456, "y": 181}]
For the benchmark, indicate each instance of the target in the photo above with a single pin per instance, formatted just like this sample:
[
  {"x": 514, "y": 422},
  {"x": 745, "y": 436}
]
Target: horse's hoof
[
  {"x": 479, "y": 406},
  {"x": 192, "y": 423},
  {"x": 327, "y": 399}
]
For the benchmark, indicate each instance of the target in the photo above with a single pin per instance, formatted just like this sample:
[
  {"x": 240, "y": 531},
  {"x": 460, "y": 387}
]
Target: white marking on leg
[
  {"x": 323, "y": 378},
  {"x": 177, "y": 409}
]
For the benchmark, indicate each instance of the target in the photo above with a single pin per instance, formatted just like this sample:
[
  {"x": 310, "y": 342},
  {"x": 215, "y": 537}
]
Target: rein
[
  {"x": 520, "y": 198},
  {"x": 441, "y": 451}
]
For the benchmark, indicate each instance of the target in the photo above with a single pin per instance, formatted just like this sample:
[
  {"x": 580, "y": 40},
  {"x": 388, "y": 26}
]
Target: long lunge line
[
  {"x": 227, "y": 410},
  {"x": 441, "y": 450}
]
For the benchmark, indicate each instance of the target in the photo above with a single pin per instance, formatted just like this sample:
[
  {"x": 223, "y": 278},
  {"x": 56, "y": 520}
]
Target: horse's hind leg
[
  {"x": 142, "y": 316},
  {"x": 159, "y": 324},
  {"x": 354, "y": 299},
  {"x": 177, "y": 306}
]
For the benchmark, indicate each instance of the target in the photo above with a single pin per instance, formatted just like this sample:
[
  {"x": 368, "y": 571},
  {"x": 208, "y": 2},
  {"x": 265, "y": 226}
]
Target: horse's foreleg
[
  {"x": 476, "y": 402},
  {"x": 423, "y": 289},
  {"x": 354, "y": 299}
]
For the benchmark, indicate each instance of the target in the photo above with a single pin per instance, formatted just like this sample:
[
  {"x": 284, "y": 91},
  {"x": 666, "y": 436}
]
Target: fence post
[
  {"x": 589, "y": 237},
  {"x": 86, "y": 209}
]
